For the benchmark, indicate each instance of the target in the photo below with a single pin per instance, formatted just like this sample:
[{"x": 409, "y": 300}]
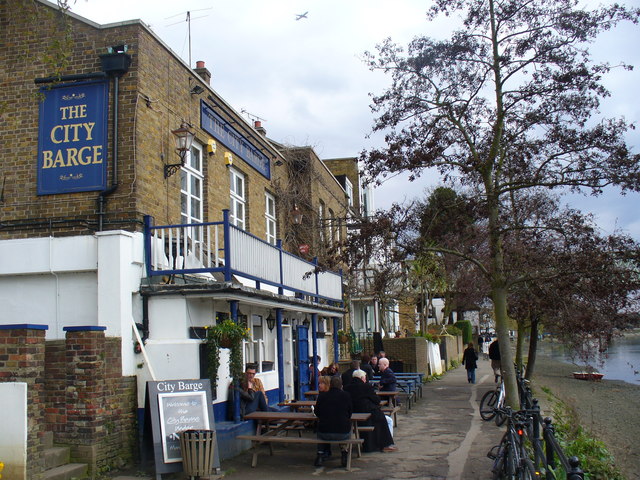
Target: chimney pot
[
  {"x": 257, "y": 124},
  {"x": 203, "y": 71}
]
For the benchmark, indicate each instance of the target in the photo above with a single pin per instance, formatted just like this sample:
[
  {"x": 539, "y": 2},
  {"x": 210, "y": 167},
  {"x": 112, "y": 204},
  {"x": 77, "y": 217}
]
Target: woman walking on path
[{"x": 469, "y": 360}]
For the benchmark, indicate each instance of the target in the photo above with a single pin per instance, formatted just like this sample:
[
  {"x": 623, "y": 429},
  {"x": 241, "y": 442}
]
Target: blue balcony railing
[{"x": 207, "y": 248}]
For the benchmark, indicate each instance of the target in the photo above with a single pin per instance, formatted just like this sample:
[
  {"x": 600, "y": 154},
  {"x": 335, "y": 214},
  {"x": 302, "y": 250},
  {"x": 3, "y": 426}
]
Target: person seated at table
[
  {"x": 374, "y": 364},
  {"x": 333, "y": 409},
  {"x": 347, "y": 376},
  {"x": 252, "y": 395},
  {"x": 331, "y": 370},
  {"x": 365, "y": 365},
  {"x": 324, "y": 383},
  {"x": 365, "y": 400},
  {"x": 388, "y": 382}
]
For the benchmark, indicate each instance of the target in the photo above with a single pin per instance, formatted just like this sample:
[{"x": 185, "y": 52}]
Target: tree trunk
[
  {"x": 499, "y": 295},
  {"x": 533, "y": 346},
  {"x": 522, "y": 332}
]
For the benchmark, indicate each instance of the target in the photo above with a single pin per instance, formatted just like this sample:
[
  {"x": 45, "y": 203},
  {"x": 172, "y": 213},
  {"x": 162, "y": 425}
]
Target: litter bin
[{"x": 198, "y": 447}]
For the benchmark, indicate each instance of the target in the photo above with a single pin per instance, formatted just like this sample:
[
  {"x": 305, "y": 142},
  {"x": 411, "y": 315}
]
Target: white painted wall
[{"x": 13, "y": 440}]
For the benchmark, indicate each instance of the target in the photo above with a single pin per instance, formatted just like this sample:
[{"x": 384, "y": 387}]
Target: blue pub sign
[{"x": 72, "y": 145}]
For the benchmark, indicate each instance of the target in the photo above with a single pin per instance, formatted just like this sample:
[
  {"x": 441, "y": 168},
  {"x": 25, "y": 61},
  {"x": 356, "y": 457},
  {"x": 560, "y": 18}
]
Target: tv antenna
[
  {"x": 252, "y": 117},
  {"x": 188, "y": 20}
]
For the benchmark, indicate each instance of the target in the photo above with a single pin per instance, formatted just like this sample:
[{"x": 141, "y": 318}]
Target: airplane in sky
[{"x": 301, "y": 16}]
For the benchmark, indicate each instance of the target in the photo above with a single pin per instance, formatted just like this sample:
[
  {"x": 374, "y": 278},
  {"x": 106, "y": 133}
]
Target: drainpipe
[
  {"x": 114, "y": 64},
  {"x": 314, "y": 339}
]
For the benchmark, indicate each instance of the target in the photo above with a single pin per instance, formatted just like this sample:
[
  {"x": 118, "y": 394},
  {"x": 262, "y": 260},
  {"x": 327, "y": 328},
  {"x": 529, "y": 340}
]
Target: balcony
[{"x": 220, "y": 247}]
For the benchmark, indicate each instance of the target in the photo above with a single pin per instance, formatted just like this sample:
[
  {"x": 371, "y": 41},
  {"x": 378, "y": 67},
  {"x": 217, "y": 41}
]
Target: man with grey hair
[
  {"x": 388, "y": 382},
  {"x": 365, "y": 400}
]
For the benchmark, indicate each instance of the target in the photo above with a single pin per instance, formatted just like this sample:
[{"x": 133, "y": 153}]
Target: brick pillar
[
  {"x": 85, "y": 389},
  {"x": 22, "y": 348}
]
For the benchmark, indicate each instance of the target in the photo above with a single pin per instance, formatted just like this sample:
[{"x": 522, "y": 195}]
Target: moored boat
[{"x": 588, "y": 375}]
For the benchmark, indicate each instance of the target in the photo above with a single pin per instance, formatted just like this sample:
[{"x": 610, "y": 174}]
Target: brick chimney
[
  {"x": 203, "y": 71},
  {"x": 257, "y": 124}
]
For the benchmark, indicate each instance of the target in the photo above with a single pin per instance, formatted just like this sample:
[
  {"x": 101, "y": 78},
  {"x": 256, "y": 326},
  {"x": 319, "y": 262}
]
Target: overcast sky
[{"x": 305, "y": 79}]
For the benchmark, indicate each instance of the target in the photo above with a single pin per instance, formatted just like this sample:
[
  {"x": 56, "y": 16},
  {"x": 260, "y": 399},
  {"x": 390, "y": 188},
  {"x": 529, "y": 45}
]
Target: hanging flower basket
[
  {"x": 343, "y": 338},
  {"x": 226, "y": 334}
]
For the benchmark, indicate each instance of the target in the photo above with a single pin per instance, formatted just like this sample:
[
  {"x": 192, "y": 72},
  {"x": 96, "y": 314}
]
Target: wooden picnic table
[{"x": 271, "y": 424}]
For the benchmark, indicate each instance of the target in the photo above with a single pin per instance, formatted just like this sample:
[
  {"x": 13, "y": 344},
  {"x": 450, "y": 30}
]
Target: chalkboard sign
[{"x": 175, "y": 406}]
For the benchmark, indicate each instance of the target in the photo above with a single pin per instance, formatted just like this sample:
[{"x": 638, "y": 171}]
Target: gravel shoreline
[{"x": 609, "y": 409}]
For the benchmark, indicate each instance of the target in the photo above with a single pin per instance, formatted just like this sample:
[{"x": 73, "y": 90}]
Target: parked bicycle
[
  {"x": 491, "y": 403},
  {"x": 511, "y": 459}
]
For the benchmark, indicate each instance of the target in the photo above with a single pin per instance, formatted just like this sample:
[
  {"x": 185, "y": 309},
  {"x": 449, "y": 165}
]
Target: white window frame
[
  {"x": 237, "y": 199},
  {"x": 270, "y": 218},
  {"x": 321, "y": 215},
  {"x": 192, "y": 190},
  {"x": 348, "y": 188}
]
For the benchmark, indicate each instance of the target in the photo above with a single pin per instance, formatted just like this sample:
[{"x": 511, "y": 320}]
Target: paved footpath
[{"x": 442, "y": 437}]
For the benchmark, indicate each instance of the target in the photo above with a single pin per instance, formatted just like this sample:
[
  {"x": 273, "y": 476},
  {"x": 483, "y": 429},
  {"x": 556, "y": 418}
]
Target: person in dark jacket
[
  {"x": 365, "y": 400},
  {"x": 347, "y": 376},
  {"x": 388, "y": 382},
  {"x": 494, "y": 356},
  {"x": 469, "y": 360},
  {"x": 333, "y": 409},
  {"x": 366, "y": 366}
]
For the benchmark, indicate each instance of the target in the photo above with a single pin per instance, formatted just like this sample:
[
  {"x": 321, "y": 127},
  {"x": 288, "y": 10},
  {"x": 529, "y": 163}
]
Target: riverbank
[{"x": 609, "y": 409}]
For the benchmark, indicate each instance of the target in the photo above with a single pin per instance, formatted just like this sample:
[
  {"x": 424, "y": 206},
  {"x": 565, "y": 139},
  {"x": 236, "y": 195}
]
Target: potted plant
[
  {"x": 226, "y": 334},
  {"x": 343, "y": 337}
]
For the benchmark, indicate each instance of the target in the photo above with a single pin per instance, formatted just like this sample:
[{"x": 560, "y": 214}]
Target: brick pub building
[{"x": 117, "y": 249}]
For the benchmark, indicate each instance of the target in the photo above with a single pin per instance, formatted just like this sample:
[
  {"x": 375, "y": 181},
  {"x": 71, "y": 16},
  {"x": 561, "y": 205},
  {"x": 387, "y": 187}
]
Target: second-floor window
[
  {"x": 191, "y": 189},
  {"x": 321, "y": 225},
  {"x": 238, "y": 199},
  {"x": 270, "y": 218}
]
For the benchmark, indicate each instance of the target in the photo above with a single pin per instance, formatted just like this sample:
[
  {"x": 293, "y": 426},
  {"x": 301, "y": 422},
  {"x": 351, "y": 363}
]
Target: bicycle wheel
[
  {"x": 487, "y": 404},
  {"x": 527, "y": 470},
  {"x": 504, "y": 467},
  {"x": 500, "y": 418}
]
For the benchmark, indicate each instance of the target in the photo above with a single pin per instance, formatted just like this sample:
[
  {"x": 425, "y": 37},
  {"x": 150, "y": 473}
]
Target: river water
[{"x": 622, "y": 360}]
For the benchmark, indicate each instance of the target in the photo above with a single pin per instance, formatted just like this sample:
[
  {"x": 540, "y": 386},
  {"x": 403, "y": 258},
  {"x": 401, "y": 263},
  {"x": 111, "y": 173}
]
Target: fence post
[
  {"x": 548, "y": 431},
  {"x": 576, "y": 472},
  {"x": 148, "y": 220},
  {"x": 536, "y": 431}
]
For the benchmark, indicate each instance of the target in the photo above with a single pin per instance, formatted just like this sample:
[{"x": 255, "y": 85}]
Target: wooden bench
[
  {"x": 270, "y": 440},
  {"x": 393, "y": 413}
]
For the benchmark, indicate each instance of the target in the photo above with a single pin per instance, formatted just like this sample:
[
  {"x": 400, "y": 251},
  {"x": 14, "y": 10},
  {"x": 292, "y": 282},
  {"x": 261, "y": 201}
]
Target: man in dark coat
[
  {"x": 469, "y": 360},
  {"x": 388, "y": 382},
  {"x": 494, "y": 356},
  {"x": 333, "y": 409},
  {"x": 347, "y": 376},
  {"x": 365, "y": 400}
]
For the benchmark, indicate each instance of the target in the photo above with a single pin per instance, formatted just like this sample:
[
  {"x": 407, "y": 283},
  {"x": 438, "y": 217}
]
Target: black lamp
[
  {"x": 271, "y": 321},
  {"x": 184, "y": 138},
  {"x": 296, "y": 215}
]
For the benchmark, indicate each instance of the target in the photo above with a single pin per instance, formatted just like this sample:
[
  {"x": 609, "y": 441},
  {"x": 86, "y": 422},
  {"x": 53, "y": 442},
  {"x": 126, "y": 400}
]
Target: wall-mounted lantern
[
  {"x": 271, "y": 321},
  {"x": 184, "y": 139}
]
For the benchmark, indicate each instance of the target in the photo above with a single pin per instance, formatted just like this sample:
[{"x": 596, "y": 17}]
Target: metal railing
[
  {"x": 220, "y": 247},
  {"x": 548, "y": 452}
]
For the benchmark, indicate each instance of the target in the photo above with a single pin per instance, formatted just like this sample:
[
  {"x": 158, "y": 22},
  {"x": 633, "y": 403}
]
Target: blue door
[{"x": 302, "y": 351}]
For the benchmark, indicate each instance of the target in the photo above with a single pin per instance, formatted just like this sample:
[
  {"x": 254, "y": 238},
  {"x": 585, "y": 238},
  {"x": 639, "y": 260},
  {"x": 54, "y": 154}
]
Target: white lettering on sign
[{"x": 189, "y": 386}]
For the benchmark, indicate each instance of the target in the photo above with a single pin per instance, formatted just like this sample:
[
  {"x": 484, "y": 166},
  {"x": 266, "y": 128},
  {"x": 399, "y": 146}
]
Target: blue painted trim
[
  {"x": 24, "y": 326},
  {"x": 222, "y": 130},
  {"x": 280, "y": 353},
  {"x": 227, "y": 247},
  {"x": 314, "y": 339},
  {"x": 85, "y": 328}
]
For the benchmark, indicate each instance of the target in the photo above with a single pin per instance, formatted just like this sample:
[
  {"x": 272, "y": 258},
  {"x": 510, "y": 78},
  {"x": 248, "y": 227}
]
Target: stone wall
[{"x": 76, "y": 391}]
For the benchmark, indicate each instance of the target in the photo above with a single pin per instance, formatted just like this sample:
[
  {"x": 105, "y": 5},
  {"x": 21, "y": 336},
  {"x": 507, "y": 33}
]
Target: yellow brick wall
[{"x": 154, "y": 99}]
